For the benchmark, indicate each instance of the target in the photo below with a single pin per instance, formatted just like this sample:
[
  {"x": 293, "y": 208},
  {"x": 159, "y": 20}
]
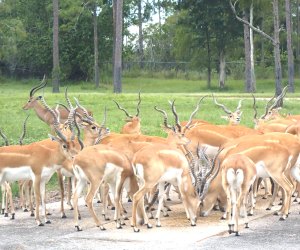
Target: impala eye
[
  {"x": 94, "y": 127},
  {"x": 64, "y": 146}
]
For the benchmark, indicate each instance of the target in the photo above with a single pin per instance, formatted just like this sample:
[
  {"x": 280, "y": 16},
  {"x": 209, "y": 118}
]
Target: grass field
[{"x": 13, "y": 95}]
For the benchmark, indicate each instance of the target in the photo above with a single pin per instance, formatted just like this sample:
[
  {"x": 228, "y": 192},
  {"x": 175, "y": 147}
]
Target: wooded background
[{"x": 191, "y": 39}]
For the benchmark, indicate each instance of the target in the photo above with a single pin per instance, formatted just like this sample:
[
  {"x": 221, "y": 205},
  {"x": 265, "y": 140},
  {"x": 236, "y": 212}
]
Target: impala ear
[
  {"x": 224, "y": 117},
  {"x": 54, "y": 138}
]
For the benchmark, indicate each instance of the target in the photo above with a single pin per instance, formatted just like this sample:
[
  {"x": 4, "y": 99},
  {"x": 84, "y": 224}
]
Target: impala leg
[
  {"x": 192, "y": 216},
  {"x": 12, "y": 207},
  {"x": 70, "y": 187},
  {"x": 287, "y": 189},
  {"x": 274, "y": 195},
  {"x": 104, "y": 193},
  {"x": 161, "y": 197},
  {"x": 136, "y": 199},
  {"x": 43, "y": 198},
  {"x": 31, "y": 195},
  {"x": 89, "y": 202},
  {"x": 62, "y": 193},
  {"x": 37, "y": 192},
  {"x": 78, "y": 190}
]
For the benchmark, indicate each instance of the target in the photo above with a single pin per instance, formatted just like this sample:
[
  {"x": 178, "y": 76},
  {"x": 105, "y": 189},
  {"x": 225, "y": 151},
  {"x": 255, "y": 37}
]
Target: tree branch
[{"x": 248, "y": 24}]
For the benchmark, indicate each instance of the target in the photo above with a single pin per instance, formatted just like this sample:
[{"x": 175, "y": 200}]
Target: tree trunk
[
  {"x": 96, "y": 52},
  {"x": 117, "y": 70},
  {"x": 298, "y": 35},
  {"x": 253, "y": 80},
  {"x": 278, "y": 72},
  {"x": 159, "y": 16},
  {"x": 248, "y": 76},
  {"x": 55, "y": 70},
  {"x": 208, "y": 58},
  {"x": 222, "y": 73},
  {"x": 262, "y": 45},
  {"x": 289, "y": 45},
  {"x": 141, "y": 39}
]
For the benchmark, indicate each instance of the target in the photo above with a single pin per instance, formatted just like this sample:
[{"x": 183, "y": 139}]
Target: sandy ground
[{"x": 175, "y": 233}]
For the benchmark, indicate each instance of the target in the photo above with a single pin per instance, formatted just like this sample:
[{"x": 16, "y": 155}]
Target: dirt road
[{"x": 175, "y": 233}]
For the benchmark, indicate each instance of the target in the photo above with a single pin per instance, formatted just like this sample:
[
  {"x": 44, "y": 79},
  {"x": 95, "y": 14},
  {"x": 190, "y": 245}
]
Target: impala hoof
[
  {"x": 63, "y": 216},
  {"x": 102, "y": 228},
  {"x": 149, "y": 226},
  {"x": 5, "y": 214},
  {"x": 237, "y": 234},
  {"x": 268, "y": 208},
  {"x": 41, "y": 224},
  {"x": 25, "y": 210},
  {"x": 136, "y": 230},
  {"x": 168, "y": 199},
  {"x": 166, "y": 215},
  {"x": 78, "y": 228},
  {"x": 48, "y": 222}
]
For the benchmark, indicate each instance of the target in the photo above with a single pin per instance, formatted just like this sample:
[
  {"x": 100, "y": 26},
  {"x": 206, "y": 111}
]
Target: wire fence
[{"x": 156, "y": 69}]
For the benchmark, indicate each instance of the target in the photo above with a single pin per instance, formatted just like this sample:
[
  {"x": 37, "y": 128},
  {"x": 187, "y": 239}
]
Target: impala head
[
  {"x": 234, "y": 118},
  {"x": 271, "y": 110},
  {"x": 69, "y": 146},
  {"x": 207, "y": 172},
  {"x": 132, "y": 120},
  {"x": 32, "y": 101}
]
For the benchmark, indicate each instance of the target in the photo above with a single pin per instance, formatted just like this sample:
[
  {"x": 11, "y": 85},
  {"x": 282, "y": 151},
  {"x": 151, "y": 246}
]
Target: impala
[
  {"x": 233, "y": 118},
  {"x": 98, "y": 164},
  {"x": 133, "y": 125},
  {"x": 159, "y": 163},
  {"x": 275, "y": 155},
  {"x": 41, "y": 111},
  {"x": 238, "y": 175},
  {"x": 37, "y": 162}
]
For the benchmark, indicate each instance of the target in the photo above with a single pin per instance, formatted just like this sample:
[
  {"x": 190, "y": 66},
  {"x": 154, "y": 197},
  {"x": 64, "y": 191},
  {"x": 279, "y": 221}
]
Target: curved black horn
[
  {"x": 177, "y": 122},
  {"x": 138, "y": 105},
  {"x": 4, "y": 138},
  {"x": 24, "y": 131},
  {"x": 78, "y": 132},
  {"x": 238, "y": 108},
  {"x": 165, "y": 117},
  {"x": 267, "y": 107},
  {"x": 68, "y": 99},
  {"x": 121, "y": 108},
  {"x": 56, "y": 121},
  {"x": 38, "y": 87},
  {"x": 278, "y": 99},
  {"x": 194, "y": 112},
  {"x": 254, "y": 107},
  {"x": 221, "y": 105}
]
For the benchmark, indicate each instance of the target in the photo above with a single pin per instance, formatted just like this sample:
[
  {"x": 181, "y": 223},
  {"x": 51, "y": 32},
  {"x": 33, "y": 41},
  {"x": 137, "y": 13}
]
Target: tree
[
  {"x": 289, "y": 45},
  {"x": 248, "y": 75},
  {"x": 213, "y": 24},
  {"x": 56, "y": 70},
  {"x": 118, "y": 41},
  {"x": 275, "y": 41}
]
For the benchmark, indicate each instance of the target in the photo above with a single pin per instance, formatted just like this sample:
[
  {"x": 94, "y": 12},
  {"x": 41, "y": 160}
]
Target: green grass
[{"x": 14, "y": 94}]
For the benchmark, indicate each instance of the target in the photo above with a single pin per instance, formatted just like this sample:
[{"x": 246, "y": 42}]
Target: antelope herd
[{"x": 209, "y": 165}]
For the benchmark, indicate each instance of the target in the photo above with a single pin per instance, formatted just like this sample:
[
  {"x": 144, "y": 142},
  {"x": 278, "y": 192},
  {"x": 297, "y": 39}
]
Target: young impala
[{"x": 238, "y": 175}]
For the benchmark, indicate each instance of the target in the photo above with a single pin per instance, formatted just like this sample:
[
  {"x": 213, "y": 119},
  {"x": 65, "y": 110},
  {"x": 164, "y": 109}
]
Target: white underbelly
[
  {"x": 16, "y": 174},
  {"x": 171, "y": 175},
  {"x": 261, "y": 170},
  {"x": 66, "y": 173}
]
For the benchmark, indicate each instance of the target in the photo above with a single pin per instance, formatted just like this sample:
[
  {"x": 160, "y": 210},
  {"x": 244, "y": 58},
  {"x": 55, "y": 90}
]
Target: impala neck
[{"x": 40, "y": 111}]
